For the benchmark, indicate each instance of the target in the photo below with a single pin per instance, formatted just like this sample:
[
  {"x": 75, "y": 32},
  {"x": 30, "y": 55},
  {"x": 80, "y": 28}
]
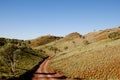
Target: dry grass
[{"x": 98, "y": 60}]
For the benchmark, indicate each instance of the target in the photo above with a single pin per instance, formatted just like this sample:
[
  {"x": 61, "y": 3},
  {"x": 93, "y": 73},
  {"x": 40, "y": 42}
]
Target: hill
[
  {"x": 43, "y": 40},
  {"x": 73, "y": 35},
  {"x": 91, "y": 56},
  {"x": 16, "y": 58}
]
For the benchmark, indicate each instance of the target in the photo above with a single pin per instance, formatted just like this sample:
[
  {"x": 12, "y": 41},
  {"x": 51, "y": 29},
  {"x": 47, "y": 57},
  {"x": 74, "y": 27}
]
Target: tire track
[{"x": 43, "y": 73}]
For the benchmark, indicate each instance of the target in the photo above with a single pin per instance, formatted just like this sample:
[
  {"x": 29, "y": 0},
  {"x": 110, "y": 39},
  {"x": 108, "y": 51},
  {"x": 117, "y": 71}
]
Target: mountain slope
[
  {"x": 91, "y": 56},
  {"x": 43, "y": 40}
]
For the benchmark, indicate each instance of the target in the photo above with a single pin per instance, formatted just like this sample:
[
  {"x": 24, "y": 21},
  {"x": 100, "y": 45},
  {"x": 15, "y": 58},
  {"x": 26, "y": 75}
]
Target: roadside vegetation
[{"x": 16, "y": 58}]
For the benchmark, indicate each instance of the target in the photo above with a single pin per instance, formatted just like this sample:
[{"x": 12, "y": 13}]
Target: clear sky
[{"x": 28, "y": 19}]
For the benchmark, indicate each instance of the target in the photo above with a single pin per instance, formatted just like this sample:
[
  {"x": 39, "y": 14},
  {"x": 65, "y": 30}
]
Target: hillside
[
  {"x": 91, "y": 56},
  {"x": 43, "y": 40},
  {"x": 16, "y": 58}
]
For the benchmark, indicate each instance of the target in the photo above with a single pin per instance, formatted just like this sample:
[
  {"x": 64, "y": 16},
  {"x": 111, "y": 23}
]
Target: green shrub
[
  {"x": 66, "y": 48},
  {"x": 85, "y": 42},
  {"x": 54, "y": 49},
  {"x": 114, "y": 35},
  {"x": 83, "y": 37},
  {"x": 2, "y": 41}
]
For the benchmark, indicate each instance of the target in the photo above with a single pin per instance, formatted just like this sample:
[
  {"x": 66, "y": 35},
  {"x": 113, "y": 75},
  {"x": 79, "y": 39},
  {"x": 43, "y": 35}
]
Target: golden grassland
[
  {"x": 100, "y": 62},
  {"x": 93, "y": 56}
]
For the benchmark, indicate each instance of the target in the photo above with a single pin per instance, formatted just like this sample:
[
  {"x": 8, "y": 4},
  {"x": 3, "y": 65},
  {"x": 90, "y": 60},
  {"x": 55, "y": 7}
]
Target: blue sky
[{"x": 28, "y": 19}]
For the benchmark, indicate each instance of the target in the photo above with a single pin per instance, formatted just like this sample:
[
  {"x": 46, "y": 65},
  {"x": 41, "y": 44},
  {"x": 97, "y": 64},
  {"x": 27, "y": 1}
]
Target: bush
[
  {"x": 85, "y": 42},
  {"x": 83, "y": 37},
  {"x": 114, "y": 35},
  {"x": 54, "y": 49},
  {"x": 66, "y": 48},
  {"x": 2, "y": 41}
]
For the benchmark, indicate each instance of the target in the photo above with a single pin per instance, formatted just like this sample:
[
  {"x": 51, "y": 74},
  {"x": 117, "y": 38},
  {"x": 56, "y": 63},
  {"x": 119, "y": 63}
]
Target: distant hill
[
  {"x": 43, "y": 40},
  {"x": 73, "y": 35}
]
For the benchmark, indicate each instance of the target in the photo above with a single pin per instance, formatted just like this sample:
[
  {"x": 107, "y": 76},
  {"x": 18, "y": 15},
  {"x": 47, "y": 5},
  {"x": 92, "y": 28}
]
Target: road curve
[{"x": 43, "y": 73}]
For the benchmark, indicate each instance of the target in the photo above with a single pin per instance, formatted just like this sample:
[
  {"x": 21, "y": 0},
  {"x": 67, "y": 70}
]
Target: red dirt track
[{"x": 43, "y": 73}]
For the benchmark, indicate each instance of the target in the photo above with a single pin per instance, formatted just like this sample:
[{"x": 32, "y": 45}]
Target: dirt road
[{"x": 44, "y": 74}]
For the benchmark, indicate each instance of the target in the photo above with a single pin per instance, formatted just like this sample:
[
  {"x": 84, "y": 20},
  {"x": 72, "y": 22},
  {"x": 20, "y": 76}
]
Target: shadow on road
[
  {"x": 51, "y": 75},
  {"x": 29, "y": 74},
  {"x": 46, "y": 73}
]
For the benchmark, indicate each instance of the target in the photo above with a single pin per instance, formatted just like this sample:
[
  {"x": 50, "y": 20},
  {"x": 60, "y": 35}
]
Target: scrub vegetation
[{"x": 16, "y": 58}]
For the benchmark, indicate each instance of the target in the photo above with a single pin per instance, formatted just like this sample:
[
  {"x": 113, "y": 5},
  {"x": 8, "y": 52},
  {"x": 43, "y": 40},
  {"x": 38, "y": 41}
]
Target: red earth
[{"x": 43, "y": 73}]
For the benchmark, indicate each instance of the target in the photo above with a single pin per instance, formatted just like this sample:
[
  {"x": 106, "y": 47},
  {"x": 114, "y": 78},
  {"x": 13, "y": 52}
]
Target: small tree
[{"x": 11, "y": 55}]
